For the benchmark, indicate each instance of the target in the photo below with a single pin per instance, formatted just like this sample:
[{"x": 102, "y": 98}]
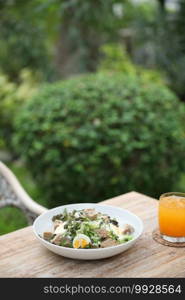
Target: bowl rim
[{"x": 91, "y": 249}]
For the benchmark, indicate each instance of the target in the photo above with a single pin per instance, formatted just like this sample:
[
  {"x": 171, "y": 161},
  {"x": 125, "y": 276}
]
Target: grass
[{"x": 12, "y": 218}]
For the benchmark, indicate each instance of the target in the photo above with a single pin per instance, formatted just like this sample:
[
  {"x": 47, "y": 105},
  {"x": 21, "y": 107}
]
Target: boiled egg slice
[{"x": 81, "y": 241}]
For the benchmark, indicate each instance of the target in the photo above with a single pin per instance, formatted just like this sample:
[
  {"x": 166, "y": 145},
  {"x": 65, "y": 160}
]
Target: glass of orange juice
[{"x": 172, "y": 217}]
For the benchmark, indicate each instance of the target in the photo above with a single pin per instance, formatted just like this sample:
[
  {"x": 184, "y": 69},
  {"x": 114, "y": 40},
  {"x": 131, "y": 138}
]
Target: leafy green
[
  {"x": 97, "y": 228},
  {"x": 126, "y": 238}
]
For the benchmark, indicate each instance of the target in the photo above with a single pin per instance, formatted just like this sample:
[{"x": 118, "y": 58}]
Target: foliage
[
  {"x": 85, "y": 25},
  {"x": 12, "y": 96},
  {"x": 160, "y": 42},
  {"x": 64, "y": 36},
  {"x": 23, "y": 39},
  {"x": 170, "y": 44},
  {"x": 61, "y": 34},
  {"x": 115, "y": 58},
  {"x": 100, "y": 135}
]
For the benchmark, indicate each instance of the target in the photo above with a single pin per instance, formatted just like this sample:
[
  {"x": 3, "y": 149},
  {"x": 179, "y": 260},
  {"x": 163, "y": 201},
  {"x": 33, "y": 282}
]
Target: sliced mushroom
[
  {"x": 105, "y": 218},
  {"x": 90, "y": 213},
  {"x": 103, "y": 233},
  {"x": 57, "y": 239},
  {"x": 108, "y": 243},
  {"x": 128, "y": 229},
  {"x": 47, "y": 235}
]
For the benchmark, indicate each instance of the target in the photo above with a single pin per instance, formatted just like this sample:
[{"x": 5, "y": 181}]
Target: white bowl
[{"x": 44, "y": 223}]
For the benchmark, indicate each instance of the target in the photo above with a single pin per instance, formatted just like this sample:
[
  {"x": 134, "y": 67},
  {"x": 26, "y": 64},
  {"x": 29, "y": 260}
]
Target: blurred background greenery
[{"x": 91, "y": 99}]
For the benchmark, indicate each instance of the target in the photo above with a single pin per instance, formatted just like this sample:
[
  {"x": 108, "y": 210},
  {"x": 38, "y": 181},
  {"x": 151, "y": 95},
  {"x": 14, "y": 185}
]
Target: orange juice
[{"x": 172, "y": 215}]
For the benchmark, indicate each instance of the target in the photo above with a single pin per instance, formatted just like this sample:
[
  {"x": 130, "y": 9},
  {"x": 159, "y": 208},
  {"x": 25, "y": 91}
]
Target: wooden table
[{"x": 21, "y": 255}]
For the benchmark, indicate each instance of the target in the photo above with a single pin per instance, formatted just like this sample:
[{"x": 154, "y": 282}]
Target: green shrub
[
  {"x": 11, "y": 98},
  {"x": 96, "y": 136}
]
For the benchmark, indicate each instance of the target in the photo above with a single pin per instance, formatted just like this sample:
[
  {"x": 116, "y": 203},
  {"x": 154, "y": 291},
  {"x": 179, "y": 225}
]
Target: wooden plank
[{"x": 21, "y": 255}]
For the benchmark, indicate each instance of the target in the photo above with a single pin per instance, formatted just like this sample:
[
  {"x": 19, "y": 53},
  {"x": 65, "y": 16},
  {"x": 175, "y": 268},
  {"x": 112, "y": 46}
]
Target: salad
[{"x": 87, "y": 229}]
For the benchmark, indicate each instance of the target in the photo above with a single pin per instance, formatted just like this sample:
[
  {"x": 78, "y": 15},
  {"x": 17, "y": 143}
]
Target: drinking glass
[{"x": 172, "y": 217}]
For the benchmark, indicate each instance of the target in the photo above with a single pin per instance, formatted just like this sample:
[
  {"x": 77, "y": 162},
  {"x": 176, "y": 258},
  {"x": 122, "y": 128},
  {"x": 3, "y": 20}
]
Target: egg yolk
[{"x": 81, "y": 243}]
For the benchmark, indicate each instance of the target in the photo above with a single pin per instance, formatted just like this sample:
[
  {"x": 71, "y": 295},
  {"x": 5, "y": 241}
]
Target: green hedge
[{"x": 99, "y": 135}]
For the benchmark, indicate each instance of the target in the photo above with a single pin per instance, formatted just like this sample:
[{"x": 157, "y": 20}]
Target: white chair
[{"x": 13, "y": 194}]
